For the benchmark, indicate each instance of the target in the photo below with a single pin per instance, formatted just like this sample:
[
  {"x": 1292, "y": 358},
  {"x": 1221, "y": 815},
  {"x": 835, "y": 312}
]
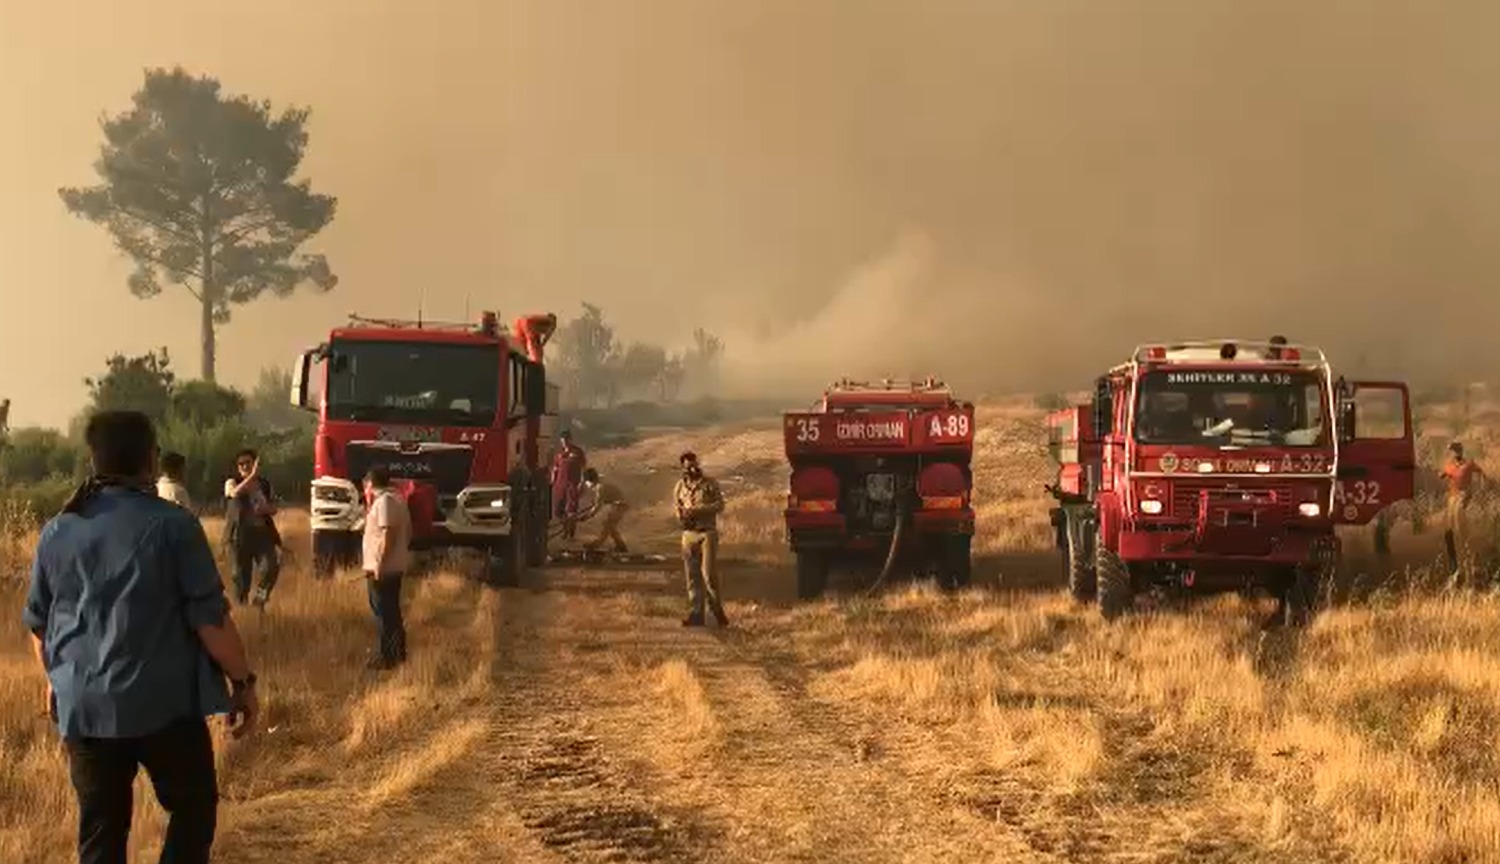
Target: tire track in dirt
[
  {"x": 569, "y": 791},
  {"x": 787, "y": 777}
]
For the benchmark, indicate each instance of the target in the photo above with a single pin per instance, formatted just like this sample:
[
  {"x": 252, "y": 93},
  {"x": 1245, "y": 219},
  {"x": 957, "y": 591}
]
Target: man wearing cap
[
  {"x": 567, "y": 473},
  {"x": 698, "y": 503},
  {"x": 1461, "y": 474}
]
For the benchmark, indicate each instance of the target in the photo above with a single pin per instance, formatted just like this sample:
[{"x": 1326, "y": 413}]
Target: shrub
[{"x": 32, "y": 455}]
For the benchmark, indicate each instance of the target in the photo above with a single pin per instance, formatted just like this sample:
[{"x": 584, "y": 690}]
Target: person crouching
[{"x": 387, "y": 557}]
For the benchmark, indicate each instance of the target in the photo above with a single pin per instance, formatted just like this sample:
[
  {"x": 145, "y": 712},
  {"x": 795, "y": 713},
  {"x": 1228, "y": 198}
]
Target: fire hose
[
  {"x": 890, "y": 556},
  {"x": 557, "y": 527}
]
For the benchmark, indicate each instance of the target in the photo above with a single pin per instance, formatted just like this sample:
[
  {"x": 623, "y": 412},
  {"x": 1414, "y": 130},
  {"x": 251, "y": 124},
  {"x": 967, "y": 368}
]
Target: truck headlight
[
  {"x": 333, "y": 493},
  {"x": 1151, "y": 507},
  {"x": 1310, "y": 509}
]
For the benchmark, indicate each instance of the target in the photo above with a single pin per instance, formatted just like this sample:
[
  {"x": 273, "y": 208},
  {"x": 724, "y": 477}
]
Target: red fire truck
[
  {"x": 1223, "y": 465},
  {"x": 461, "y": 415},
  {"x": 881, "y": 469}
]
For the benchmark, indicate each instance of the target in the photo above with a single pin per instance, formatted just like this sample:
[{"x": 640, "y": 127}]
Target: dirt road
[{"x": 605, "y": 731}]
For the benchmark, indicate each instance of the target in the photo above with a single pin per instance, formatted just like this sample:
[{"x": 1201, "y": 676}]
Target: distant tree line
[
  {"x": 204, "y": 421},
  {"x": 596, "y": 369}
]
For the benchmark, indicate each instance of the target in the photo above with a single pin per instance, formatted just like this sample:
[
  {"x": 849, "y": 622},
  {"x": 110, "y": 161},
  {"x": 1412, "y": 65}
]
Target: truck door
[{"x": 1377, "y": 454}]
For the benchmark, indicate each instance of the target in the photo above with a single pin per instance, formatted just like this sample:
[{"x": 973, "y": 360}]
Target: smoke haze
[{"x": 1008, "y": 194}]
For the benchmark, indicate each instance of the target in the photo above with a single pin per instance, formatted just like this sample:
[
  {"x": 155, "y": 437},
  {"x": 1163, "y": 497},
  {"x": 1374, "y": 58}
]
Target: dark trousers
[
  {"x": 250, "y": 557},
  {"x": 385, "y": 602},
  {"x": 179, "y": 760}
]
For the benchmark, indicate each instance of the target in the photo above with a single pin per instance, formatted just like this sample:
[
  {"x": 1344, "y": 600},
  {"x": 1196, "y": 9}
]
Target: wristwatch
[{"x": 248, "y": 682}]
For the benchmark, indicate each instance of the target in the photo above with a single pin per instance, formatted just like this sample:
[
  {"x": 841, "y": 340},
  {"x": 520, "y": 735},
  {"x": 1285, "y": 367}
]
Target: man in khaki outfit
[
  {"x": 698, "y": 503},
  {"x": 606, "y": 497}
]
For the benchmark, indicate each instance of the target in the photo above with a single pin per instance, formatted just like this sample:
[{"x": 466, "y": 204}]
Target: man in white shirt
[
  {"x": 387, "y": 557},
  {"x": 169, "y": 485}
]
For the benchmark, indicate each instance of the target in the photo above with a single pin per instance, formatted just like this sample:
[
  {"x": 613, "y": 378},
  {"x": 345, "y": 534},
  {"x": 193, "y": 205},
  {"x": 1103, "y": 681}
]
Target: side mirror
[
  {"x": 301, "y": 375},
  {"x": 1104, "y": 408}
]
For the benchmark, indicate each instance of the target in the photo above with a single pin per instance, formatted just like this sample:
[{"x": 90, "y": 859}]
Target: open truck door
[{"x": 1377, "y": 464}]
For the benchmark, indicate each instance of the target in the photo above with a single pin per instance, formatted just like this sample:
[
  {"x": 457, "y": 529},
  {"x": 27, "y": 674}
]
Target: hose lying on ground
[{"x": 890, "y": 555}]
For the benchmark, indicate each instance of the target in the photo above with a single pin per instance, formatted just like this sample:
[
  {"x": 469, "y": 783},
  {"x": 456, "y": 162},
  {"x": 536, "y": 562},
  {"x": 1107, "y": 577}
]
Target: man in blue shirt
[{"x": 129, "y": 619}]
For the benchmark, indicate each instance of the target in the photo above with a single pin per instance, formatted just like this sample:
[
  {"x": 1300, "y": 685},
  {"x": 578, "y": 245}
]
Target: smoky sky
[{"x": 1009, "y": 194}]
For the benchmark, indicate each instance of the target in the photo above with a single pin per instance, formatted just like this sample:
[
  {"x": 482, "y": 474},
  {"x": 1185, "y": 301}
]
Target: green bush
[
  {"x": 286, "y": 458},
  {"x": 32, "y": 455},
  {"x": 205, "y": 404},
  {"x": 28, "y": 505}
]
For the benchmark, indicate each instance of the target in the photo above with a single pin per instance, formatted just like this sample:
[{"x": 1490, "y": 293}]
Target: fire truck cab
[
  {"x": 461, "y": 415},
  {"x": 881, "y": 469},
  {"x": 1223, "y": 465}
]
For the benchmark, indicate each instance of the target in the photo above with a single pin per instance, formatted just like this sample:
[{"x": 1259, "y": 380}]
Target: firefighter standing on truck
[
  {"x": 1461, "y": 475},
  {"x": 567, "y": 475},
  {"x": 607, "y": 497},
  {"x": 698, "y": 503}
]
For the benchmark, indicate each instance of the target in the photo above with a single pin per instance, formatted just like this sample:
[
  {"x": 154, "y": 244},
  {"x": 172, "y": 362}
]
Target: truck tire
[
  {"x": 506, "y": 559},
  {"x": 812, "y": 575},
  {"x": 536, "y": 545},
  {"x": 1082, "y": 577},
  {"x": 955, "y": 565},
  {"x": 1304, "y": 590},
  {"x": 1116, "y": 594},
  {"x": 503, "y": 563}
]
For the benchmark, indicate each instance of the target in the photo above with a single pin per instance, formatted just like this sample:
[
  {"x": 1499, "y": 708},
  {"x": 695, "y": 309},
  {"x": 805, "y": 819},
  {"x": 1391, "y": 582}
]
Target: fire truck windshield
[
  {"x": 1231, "y": 408},
  {"x": 413, "y": 382}
]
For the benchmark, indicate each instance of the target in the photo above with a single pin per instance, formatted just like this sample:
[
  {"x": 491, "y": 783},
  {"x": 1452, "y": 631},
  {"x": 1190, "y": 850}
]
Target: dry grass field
[{"x": 575, "y": 720}]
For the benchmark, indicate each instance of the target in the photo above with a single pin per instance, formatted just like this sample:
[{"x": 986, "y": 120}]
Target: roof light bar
[{"x": 1230, "y": 350}]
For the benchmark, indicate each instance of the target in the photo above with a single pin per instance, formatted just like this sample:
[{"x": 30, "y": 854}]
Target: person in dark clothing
[
  {"x": 250, "y": 530},
  {"x": 128, "y": 618}
]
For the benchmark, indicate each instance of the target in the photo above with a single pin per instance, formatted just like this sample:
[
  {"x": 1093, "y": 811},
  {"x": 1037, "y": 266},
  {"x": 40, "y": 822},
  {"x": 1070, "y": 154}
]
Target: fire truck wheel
[
  {"x": 503, "y": 563},
  {"x": 1303, "y": 591},
  {"x": 536, "y": 547},
  {"x": 1116, "y": 594},
  {"x": 956, "y": 565},
  {"x": 1082, "y": 582},
  {"x": 812, "y": 575}
]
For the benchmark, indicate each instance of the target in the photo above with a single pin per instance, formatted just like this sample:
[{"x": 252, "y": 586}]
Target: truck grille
[
  {"x": 448, "y": 469},
  {"x": 1185, "y": 497}
]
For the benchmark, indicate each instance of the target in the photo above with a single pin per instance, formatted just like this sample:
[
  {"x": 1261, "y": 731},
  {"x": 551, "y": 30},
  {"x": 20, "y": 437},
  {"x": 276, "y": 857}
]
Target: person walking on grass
[
  {"x": 128, "y": 618},
  {"x": 1461, "y": 475},
  {"x": 170, "y": 484},
  {"x": 250, "y": 530},
  {"x": 387, "y": 558},
  {"x": 698, "y": 503}
]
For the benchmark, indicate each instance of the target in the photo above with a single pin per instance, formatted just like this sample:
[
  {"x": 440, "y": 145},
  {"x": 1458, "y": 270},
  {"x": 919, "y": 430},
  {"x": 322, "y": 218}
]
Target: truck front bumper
[
  {"x": 481, "y": 512},
  {"x": 1184, "y": 548}
]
